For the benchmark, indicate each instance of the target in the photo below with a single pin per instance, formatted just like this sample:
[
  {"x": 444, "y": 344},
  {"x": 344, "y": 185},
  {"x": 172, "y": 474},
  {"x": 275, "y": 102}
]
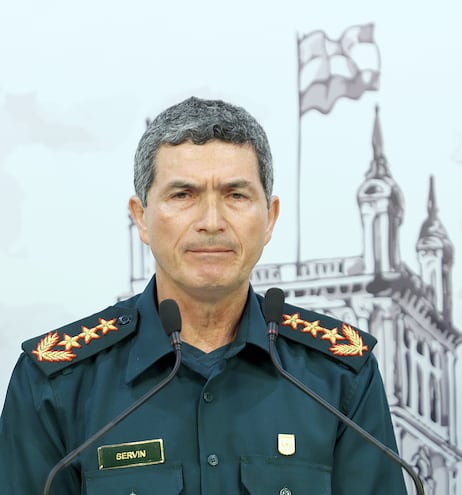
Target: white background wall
[{"x": 78, "y": 79}]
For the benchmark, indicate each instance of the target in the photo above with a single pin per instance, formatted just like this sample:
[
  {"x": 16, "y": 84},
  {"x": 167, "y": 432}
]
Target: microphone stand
[
  {"x": 272, "y": 335},
  {"x": 67, "y": 460}
]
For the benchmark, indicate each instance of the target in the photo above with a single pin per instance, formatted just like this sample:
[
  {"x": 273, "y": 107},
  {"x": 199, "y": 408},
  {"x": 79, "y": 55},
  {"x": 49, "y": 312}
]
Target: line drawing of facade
[{"x": 409, "y": 313}]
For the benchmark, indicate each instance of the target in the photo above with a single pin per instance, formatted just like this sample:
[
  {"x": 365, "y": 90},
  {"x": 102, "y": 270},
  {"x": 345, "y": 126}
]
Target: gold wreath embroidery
[
  {"x": 354, "y": 347},
  {"x": 45, "y": 351}
]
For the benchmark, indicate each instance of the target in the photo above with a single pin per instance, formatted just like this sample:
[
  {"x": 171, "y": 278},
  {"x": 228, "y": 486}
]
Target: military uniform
[{"x": 234, "y": 427}]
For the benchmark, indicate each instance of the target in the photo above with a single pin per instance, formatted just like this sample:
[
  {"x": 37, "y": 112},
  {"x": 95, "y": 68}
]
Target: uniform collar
[
  {"x": 151, "y": 342},
  {"x": 252, "y": 328}
]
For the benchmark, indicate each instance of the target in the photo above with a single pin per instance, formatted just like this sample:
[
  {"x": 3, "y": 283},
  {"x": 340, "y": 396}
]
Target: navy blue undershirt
[{"x": 206, "y": 364}]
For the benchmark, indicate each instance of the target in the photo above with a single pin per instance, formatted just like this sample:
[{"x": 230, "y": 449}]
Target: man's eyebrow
[
  {"x": 231, "y": 184},
  {"x": 237, "y": 184},
  {"x": 180, "y": 184}
]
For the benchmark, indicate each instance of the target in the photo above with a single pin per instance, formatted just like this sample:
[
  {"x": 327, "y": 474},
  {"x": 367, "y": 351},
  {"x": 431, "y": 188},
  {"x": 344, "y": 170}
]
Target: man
[{"x": 228, "y": 423}]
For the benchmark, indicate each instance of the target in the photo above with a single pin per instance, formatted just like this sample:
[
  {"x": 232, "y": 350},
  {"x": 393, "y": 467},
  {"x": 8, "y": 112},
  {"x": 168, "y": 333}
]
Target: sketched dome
[{"x": 433, "y": 236}]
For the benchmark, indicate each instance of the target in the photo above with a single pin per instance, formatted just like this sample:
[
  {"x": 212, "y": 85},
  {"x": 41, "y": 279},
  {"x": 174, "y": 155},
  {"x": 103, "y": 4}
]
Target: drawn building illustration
[{"x": 409, "y": 313}]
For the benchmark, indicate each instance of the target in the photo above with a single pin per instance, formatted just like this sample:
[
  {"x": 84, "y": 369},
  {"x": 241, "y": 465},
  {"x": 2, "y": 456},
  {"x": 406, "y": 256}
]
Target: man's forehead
[{"x": 219, "y": 155}]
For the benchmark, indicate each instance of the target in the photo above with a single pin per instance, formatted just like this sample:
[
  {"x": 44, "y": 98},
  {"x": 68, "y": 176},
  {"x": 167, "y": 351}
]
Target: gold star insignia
[
  {"x": 312, "y": 327},
  {"x": 89, "y": 334},
  {"x": 69, "y": 342},
  {"x": 292, "y": 320},
  {"x": 332, "y": 335},
  {"x": 106, "y": 325}
]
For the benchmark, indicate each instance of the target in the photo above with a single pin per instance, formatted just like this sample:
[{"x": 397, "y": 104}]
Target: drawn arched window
[
  {"x": 433, "y": 282},
  {"x": 435, "y": 359},
  {"x": 377, "y": 244},
  {"x": 420, "y": 389},
  {"x": 434, "y": 399},
  {"x": 408, "y": 379},
  {"x": 407, "y": 338},
  {"x": 420, "y": 347}
]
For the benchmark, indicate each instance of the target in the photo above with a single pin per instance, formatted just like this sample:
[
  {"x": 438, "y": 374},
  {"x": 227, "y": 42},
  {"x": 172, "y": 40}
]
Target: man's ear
[
  {"x": 137, "y": 213},
  {"x": 273, "y": 214}
]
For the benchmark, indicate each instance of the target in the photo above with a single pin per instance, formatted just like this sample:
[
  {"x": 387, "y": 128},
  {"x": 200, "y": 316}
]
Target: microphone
[
  {"x": 272, "y": 310},
  {"x": 171, "y": 321}
]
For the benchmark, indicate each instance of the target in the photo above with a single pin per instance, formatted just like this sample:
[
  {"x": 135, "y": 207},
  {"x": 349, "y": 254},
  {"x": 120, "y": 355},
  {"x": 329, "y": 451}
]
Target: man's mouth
[{"x": 210, "y": 250}]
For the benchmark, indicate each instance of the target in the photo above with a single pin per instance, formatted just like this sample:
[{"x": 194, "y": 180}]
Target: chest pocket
[
  {"x": 277, "y": 476},
  {"x": 146, "y": 480}
]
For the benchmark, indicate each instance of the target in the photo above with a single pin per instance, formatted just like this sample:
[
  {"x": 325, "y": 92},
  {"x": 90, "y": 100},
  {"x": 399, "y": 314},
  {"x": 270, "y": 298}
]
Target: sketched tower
[{"x": 381, "y": 205}]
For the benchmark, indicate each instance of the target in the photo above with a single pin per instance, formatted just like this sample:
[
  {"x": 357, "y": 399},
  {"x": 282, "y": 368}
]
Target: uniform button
[
  {"x": 123, "y": 320},
  {"x": 208, "y": 396},
  {"x": 212, "y": 459},
  {"x": 285, "y": 491}
]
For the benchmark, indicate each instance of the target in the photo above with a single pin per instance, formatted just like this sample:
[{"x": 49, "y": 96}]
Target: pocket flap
[
  {"x": 145, "y": 480},
  {"x": 274, "y": 475}
]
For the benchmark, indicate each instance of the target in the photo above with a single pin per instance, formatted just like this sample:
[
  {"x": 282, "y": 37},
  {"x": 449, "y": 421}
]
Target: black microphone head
[
  {"x": 170, "y": 316},
  {"x": 273, "y": 305}
]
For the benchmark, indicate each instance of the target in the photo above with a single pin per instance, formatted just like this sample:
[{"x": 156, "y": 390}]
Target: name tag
[{"x": 124, "y": 455}]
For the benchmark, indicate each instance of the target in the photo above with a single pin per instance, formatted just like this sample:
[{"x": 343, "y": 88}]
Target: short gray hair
[{"x": 199, "y": 121}]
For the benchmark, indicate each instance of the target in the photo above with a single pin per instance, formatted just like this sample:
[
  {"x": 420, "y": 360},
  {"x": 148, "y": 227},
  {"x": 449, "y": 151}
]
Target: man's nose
[{"x": 211, "y": 216}]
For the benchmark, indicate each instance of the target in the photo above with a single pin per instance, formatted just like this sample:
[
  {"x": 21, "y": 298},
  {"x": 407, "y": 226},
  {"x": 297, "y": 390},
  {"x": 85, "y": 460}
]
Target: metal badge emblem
[{"x": 286, "y": 443}]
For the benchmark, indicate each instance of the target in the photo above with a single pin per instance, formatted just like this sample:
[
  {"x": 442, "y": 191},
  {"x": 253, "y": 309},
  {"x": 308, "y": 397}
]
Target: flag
[{"x": 330, "y": 69}]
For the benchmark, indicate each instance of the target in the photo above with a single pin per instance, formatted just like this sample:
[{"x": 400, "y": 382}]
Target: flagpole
[{"x": 298, "y": 205}]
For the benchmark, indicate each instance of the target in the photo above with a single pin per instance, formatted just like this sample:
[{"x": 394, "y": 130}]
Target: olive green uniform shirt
[{"x": 244, "y": 430}]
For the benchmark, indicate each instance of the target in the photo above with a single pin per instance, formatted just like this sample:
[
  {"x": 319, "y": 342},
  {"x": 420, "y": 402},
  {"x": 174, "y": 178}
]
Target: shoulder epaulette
[
  {"x": 333, "y": 337},
  {"x": 58, "y": 349}
]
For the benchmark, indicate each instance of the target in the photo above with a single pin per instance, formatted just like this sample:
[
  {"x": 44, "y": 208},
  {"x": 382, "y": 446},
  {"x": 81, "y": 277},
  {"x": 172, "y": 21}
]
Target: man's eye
[
  {"x": 181, "y": 195},
  {"x": 237, "y": 195}
]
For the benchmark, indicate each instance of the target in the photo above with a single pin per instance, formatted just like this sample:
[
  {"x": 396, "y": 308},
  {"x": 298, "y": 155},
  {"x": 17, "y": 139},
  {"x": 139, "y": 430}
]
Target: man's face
[{"x": 206, "y": 219}]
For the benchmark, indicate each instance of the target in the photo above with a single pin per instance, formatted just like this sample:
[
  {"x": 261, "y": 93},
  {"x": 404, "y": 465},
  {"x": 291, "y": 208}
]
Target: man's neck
[{"x": 207, "y": 324}]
